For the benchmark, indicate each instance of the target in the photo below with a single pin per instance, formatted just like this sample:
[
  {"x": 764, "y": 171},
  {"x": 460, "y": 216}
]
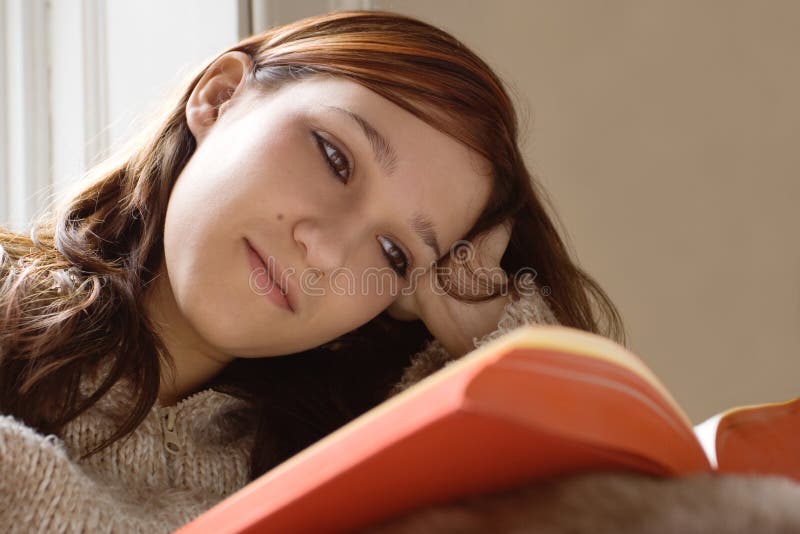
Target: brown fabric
[{"x": 617, "y": 503}]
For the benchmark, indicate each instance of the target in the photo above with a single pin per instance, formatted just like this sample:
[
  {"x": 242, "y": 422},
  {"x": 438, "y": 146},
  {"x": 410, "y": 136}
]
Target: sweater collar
[{"x": 201, "y": 415}]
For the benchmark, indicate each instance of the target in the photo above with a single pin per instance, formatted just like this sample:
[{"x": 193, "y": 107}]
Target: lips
[{"x": 271, "y": 268}]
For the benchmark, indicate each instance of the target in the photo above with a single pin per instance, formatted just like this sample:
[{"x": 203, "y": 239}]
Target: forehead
[{"x": 433, "y": 173}]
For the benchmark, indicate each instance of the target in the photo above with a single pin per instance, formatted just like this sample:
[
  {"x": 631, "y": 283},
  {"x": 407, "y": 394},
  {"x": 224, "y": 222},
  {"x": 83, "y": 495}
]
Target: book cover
[{"x": 538, "y": 402}]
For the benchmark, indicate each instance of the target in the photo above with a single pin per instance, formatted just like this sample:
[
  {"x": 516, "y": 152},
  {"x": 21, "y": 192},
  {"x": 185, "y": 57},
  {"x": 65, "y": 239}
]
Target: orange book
[{"x": 538, "y": 402}]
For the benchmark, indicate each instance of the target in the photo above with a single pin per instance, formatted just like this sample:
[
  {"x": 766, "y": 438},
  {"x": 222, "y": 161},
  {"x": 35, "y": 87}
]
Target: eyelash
[{"x": 322, "y": 144}]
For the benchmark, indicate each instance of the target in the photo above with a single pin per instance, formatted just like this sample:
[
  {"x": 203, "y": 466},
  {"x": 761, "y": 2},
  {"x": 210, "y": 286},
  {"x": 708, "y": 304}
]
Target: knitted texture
[
  {"x": 136, "y": 484},
  {"x": 528, "y": 308}
]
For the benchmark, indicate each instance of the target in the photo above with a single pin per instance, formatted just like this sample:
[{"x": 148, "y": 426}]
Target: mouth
[{"x": 271, "y": 268}]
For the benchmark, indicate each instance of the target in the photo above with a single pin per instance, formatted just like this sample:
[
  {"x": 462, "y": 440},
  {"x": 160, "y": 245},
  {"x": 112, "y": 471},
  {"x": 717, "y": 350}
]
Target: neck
[{"x": 195, "y": 361}]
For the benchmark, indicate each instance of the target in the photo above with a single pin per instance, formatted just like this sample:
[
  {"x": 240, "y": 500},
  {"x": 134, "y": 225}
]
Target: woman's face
[{"x": 260, "y": 177}]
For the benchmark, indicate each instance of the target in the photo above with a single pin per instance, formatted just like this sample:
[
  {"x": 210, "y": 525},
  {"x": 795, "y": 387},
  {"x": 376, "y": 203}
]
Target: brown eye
[
  {"x": 339, "y": 164},
  {"x": 334, "y": 157},
  {"x": 397, "y": 259}
]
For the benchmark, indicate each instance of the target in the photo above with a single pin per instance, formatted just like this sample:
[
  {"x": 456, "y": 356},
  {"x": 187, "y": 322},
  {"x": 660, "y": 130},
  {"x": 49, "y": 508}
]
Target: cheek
[
  {"x": 369, "y": 288},
  {"x": 282, "y": 172},
  {"x": 210, "y": 293}
]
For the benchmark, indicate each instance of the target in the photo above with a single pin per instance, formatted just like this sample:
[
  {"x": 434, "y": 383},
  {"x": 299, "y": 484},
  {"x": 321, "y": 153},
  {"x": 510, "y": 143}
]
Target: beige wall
[{"x": 667, "y": 134}]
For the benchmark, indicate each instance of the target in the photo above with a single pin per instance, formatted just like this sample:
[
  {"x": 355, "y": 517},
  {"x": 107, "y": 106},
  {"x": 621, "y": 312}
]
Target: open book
[{"x": 538, "y": 402}]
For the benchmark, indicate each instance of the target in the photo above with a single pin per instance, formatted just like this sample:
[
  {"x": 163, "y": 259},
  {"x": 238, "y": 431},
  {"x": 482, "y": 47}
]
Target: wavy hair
[{"x": 71, "y": 290}]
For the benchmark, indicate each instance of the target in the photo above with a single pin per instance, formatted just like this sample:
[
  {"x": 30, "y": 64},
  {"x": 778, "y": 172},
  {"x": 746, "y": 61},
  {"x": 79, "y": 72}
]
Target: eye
[
  {"x": 397, "y": 259},
  {"x": 334, "y": 157},
  {"x": 338, "y": 162}
]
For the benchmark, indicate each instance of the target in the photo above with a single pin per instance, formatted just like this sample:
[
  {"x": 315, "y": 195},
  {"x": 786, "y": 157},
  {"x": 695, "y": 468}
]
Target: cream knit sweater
[{"x": 179, "y": 462}]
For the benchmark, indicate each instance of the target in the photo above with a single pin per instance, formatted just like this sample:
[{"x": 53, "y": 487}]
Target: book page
[
  {"x": 760, "y": 438},
  {"x": 576, "y": 341},
  {"x": 706, "y": 433}
]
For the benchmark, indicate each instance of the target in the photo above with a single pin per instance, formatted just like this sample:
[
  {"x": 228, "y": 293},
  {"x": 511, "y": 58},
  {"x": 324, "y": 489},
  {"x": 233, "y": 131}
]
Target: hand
[{"x": 453, "y": 322}]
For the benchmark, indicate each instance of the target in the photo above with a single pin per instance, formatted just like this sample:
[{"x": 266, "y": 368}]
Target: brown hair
[{"x": 71, "y": 291}]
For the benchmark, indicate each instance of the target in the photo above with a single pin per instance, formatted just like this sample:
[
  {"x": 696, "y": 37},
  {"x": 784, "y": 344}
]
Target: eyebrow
[
  {"x": 386, "y": 157},
  {"x": 426, "y": 230}
]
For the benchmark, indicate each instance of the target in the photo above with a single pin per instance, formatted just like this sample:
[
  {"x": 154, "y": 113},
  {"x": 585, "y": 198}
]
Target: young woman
[{"x": 204, "y": 306}]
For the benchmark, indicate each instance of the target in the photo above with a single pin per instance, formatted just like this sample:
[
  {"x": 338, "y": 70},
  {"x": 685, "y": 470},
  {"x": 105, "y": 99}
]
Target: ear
[{"x": 222, "y": 80}]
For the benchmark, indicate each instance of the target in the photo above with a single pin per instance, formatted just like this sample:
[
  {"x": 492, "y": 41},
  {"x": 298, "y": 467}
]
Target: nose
[{"x": 325, "y": 245}]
